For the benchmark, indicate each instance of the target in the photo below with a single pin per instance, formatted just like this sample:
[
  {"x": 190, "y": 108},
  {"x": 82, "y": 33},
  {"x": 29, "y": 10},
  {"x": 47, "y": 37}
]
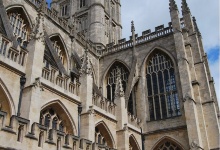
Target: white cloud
[{"x": 147, "y": 14}]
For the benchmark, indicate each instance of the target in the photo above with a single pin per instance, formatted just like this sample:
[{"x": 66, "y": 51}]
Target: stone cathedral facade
[{"x": 68, "y": 81}]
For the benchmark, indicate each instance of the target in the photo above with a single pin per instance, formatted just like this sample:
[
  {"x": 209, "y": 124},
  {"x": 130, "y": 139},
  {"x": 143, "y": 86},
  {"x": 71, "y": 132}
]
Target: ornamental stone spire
[
  {"x": 185, "y": 8},
  {"x": 86, "y": 65},
  {"x": 173, "y": 5},
  {"x": 196, "y": 26},
  {"x": 119, "y": 92}
]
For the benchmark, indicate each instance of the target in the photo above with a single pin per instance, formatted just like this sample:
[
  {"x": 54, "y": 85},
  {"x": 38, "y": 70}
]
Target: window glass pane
[
  {"x": 157, "y": 107},
  {"x": 151, "y": 108}
]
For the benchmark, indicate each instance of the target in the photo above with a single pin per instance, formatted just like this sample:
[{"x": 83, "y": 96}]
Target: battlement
[{"x": 148, "y": 35}]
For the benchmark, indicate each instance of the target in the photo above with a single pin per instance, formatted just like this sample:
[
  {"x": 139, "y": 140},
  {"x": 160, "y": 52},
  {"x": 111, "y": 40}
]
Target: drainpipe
[
  {"x": 22, "y": 83},
  {"x": 142, "y": 139},
  {"x": 79, "y": 113}
]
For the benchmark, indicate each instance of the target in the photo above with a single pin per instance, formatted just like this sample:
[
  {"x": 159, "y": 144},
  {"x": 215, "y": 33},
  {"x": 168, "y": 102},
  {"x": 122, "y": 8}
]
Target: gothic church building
[{"x": 68, "y": 81}]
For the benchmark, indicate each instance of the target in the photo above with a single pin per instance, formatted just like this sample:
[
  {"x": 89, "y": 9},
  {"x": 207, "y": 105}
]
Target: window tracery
[
  {"x": 21, "y": 28},
  {"x": 161, "y": 87},
  {"x": 111, "y": 84},
  {"x": 99, "y": 138},
  {"x": 168, "y": 146},
  {"x": 51, "y": 120},
  {"x": 59, "y": 50}
]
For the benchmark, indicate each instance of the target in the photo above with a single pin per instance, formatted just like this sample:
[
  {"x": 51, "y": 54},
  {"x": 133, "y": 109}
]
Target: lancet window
[
  {"x": 82, "y": 3},
  {"x": 50, "y": 119},
  {"x": 111, "y": 84},
  {"x": 21, "y": 28},
  {"x": 161, "y": 87}
]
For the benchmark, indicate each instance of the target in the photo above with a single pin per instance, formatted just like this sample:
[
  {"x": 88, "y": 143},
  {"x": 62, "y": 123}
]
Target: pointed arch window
[
  {"x": 161, "y": 87},
  {"x": 60, "y": 49},
  {"x": 111, "y": 84},
  {"x": 20, "y": 26}
]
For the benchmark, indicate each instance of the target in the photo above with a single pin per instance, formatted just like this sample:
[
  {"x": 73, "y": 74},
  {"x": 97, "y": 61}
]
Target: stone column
[
  {"x": 31, "y": 104},
  {"x": 87, "y": 116},
  {"x": 121, "y": 115}
]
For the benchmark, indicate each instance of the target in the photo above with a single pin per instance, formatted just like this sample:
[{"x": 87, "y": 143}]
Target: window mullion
[
  {"x": 171, "y": 94},
  {"x": 158, "y": 89},
  {"x": 165, "y": 93}
]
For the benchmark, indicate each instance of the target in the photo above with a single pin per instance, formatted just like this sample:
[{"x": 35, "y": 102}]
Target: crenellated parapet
[
  {"x": 133, "y": 120},
  {"x": 10, "y": 55},
  {"x": 148, "y": 35},
  {"x": 53, "y": 75},
  {"x": 103, "y": 103}
]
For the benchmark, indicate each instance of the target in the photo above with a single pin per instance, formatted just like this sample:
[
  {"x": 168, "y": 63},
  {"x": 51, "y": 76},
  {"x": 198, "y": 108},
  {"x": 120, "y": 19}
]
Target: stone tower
[{"x": 98, "y": 20}]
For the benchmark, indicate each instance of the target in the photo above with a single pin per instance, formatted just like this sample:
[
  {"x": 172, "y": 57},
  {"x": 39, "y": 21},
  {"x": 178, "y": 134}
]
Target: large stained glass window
[{"x": 161, "y": 87}]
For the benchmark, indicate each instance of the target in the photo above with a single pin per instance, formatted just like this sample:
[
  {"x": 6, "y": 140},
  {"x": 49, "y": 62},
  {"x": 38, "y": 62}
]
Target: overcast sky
[{"x": 147, "y": 14}]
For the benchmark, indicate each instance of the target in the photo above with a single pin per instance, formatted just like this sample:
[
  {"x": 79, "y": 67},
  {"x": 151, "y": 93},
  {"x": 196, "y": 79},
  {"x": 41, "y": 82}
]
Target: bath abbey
[{"x": 69, "y": 81}]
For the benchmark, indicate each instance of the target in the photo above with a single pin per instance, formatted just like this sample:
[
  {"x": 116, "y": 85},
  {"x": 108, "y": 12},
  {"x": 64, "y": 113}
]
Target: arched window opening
[
  {"x": 60, "y": 49},
  {"x": 133, "y": 145},
  {"x": 20, "y": 133},
  {"x": 102, "y": 136},
  {"x": 5, "y": 104},
  {"x": 20, "y": 25},
  {"x": 56, "y": 122},
  {"x": 167, "y": 145},
  {"x": 111, "y": 84},
  {"x": 41, "y": 138},
  {"x": 161, "y": 87}
]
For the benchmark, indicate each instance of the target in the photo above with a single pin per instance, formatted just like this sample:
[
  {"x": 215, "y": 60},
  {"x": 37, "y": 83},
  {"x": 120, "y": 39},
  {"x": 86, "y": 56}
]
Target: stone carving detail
[
  {"x": 119, "y": 92},
  {"x": 38, "y": 84},
  {"x": 39, "y": 28},
  {"x": 86, "y": 65},
  {"x": 185, "y": 8},
  {"x": 91, "y": 110},
  {"x": 173, "y": 5},
  {"x": 125, "y": 127},
  {"x": 195, "y": 146}
]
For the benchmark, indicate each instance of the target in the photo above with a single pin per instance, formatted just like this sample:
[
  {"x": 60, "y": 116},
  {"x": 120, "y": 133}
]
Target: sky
[{"x": 147, "y": 14}]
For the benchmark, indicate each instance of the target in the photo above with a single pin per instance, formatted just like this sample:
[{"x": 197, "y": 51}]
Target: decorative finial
[
  {"x": 185, "y": 8},
  {"x": 173, "y": 5},
  {"x": 86, "y": 65},
  {"x": 132, "y": 26},
  {"x": 39, "y": 27},
  {"x": 119, "y": 92},
  {"x": 196, "y": 26}
]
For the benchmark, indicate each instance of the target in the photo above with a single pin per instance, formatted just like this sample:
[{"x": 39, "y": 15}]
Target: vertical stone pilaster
[
  {"x": 206, "y": 107},
  {"x": 87, "y": 117},
  {"x": 185, "y": 78},
  {"x": 123, "y": 138},
  {"x": 30, "y": 105}
]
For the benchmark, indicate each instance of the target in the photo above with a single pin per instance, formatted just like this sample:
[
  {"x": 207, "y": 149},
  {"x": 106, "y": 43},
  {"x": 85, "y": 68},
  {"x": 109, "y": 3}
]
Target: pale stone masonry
[{"x": 69, "y": 81}]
